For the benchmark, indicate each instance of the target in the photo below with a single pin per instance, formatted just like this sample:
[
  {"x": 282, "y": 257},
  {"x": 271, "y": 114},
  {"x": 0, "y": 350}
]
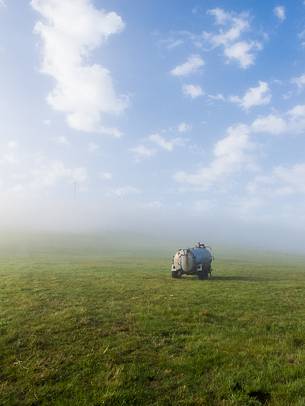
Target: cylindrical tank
[
  {"x": 202, "y": 255},
  {"x": 192, "y": 261}
]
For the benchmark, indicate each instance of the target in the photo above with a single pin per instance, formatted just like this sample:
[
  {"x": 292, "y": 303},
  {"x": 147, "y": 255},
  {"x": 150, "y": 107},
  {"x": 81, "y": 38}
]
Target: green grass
[{"x": 122, "y": 332}]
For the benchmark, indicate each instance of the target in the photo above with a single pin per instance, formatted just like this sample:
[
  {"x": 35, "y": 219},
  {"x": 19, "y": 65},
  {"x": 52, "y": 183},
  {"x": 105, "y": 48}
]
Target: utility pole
[{"x": 75, "y": 187}]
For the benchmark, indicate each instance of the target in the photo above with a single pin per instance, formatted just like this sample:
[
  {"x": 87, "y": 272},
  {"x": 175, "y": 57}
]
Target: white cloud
[
  {"x": 12, "y": 144},
  {"x": 9, "y": 158},
  {"x": 61, "y": 140},
  {"x": 283, "y": 181},
  {"x": 93, "y": 147},
  {"x": 231, "y": 154},
  {"x": 35, "y": 173},
  {"x": 216, "y": 97},
  {"x": 299, "y": 81},
  {"x": 242, "y": 51},
  {"x": 297, "y": 112},
  {"x": 292, "y": 122},
  {"x": 271, "y": 124},
  {"x": 142, "y": 152},
  {"x": 291, "y": 178},
  {"x": 105, "y": 175},
  {"x": 155, "y": 204},
  {"x": 9, "y": 155},
  {"x": 50, "y": 175},
  {"x": 255, "y": 96},
  {"x": 203, "y": 206},
  {"x": 296, "y": 119},
  {"x": 221, "y": 17},
  {"x": 2, "y": 3},
  {"x": 125, "y": 191},
  {"x": 192, "y": 65},
  {"x": 237, "y": 25},
  {"x": 184, "y": 127},
  {"x": 70, "y": 31},
  {"x": 301, "y": 36},
  {"x": 165, "y": 143},
  {"x": 280, "y": 12},
  {"x": 171, "y": 43},
  {"x": 192, "y": 91},
  {"x": 234, "y": 49}
]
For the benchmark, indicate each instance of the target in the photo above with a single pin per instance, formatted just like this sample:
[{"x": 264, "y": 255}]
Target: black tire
[
  {"x": 176, "y": 274},
  {"x": 203, "y": 275}
]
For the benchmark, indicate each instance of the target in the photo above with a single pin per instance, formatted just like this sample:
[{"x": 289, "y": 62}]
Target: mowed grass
[{"x": 122, "y": 332}]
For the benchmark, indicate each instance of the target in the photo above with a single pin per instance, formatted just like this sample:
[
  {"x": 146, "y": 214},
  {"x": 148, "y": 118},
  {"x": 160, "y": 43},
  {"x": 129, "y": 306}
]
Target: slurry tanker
[{"x": 193, "y": 261}]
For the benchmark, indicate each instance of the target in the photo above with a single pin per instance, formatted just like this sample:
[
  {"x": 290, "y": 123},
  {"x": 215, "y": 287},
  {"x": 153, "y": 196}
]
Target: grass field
[{"x": 120, "y": 331}]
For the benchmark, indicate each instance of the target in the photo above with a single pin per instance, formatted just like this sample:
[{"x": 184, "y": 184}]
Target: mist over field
[
  {"x": 153, "y": 231},
  {"x": 155, "y": 239},
  {"x": 158, "y": 226}
]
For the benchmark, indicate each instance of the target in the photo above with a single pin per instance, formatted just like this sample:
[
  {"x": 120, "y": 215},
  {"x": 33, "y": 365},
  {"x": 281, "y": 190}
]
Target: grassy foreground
[{"x": 122, "y": 332}]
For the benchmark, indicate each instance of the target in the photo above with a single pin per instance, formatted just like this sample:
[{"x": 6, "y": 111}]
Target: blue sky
[{"x": 155, "y": 116}]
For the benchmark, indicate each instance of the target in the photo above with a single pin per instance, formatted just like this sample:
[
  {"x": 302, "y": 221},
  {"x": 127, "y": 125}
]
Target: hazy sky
[{"x": 153, "y": 115}]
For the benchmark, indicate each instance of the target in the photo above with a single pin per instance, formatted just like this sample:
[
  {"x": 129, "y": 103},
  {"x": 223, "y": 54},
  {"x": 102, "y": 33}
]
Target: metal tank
[{"x": 193, "y": 261}]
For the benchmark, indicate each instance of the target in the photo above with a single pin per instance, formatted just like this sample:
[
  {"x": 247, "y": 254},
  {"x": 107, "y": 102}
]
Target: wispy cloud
[
  {"x": 9, "y": 154},
  {"x": 69, "y": 32},
  {"x": 93, "y": 147},
  {"x": 270, "y": 124},
  {"x": 124, "y": 191},
  {"x": 299, "y": 81},
  {"x": 231, "y": 154},
  {"x": 232, "y": 27},
  {"x": 184, "y": 127},
  {"x": 280, "y": 13},
  {"x": 32, "y": 174},
  {"x": 142, "y": 151},
  {"x": 255, "y": 96},
  {"x": 61, "y": 140},
  {"x": 291, "y": 122},
  {"x": 301, "y": 37},
  {"x": 105, "y": 176},
  {"x": 192, "y": 90},
  {"x": 192, "y": 65},
  {"x": 166, "y": 143},
  {"x": 171, "y": 43},
  {"x": 217, "y": 97},
  {"x": 282, "y": 181}
]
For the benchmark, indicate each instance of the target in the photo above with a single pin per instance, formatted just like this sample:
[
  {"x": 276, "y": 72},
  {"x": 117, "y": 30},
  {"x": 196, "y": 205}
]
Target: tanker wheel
[
  {"x": 203, "y": 275},
  {"x": 176, "y": 274}
]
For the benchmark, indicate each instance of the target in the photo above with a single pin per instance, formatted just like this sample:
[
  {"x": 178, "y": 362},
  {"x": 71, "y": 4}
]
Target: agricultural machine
[{"x": 193, "y": 261}]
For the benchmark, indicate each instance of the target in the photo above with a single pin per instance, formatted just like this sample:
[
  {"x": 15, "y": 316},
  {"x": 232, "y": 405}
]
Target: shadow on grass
[
  {"x": 229, "y": 278},
  {"x": 241, "y": 278}
]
